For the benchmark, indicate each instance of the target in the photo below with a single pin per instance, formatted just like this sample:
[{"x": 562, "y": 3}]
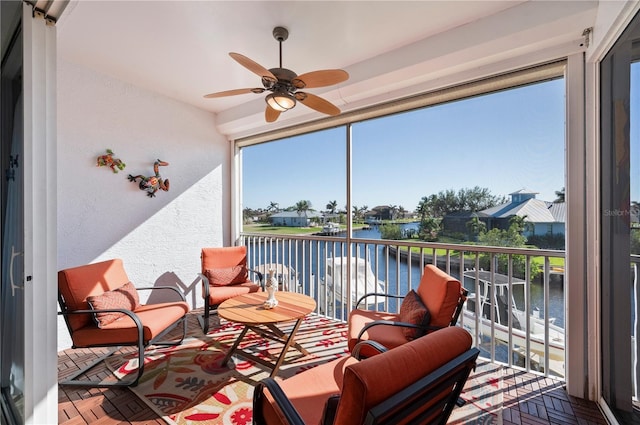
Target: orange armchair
[
  {"x": 225, "y": 275},
  {"x": 437, "y": 303},
  {"x": 418, "y": 383},
  {"x": 101, "y": 308}
]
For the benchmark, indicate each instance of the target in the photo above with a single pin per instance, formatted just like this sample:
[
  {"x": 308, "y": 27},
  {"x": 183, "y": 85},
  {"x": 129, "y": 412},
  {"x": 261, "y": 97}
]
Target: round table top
[{"x": 249, "y": 308}]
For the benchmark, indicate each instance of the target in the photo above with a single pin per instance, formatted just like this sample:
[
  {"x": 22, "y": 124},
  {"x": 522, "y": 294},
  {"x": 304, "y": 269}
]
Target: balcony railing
[{"x": 515, "y": 311}]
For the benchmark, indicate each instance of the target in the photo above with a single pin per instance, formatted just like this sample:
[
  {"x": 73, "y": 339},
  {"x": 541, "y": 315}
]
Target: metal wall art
[
  {"x": 153, "y": 183},
  {"x": 109, "y": 161}
]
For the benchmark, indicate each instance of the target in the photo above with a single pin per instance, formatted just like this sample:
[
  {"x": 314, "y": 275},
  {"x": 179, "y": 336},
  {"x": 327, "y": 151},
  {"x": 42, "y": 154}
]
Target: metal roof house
[
  {"x": 541, "y": 217},
  {"x": 295, "y": 219}
]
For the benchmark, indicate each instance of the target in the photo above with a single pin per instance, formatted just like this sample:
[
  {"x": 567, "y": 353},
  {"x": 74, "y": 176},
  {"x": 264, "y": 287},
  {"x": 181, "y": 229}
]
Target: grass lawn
[
  {"x": 280, "y": 230},
  {"x": 553, "y": 261}
]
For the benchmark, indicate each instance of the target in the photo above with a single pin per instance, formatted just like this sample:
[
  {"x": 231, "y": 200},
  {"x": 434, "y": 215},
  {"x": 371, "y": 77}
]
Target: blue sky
[{"x": 503, "y": 141}]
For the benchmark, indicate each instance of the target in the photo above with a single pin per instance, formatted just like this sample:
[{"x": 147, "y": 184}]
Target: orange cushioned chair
[
  {"x": 225, "y": 275},
  {"x": 418, "y": 383},
  {"x": 102, "y": 309},
  {"x": 436, "y": 304}
]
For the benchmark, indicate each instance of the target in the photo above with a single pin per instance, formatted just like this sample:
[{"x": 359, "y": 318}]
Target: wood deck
[{"x": 529, "y": 399}]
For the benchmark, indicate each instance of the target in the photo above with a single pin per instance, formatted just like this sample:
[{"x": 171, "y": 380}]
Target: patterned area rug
[{"x": 187, "y": 385}]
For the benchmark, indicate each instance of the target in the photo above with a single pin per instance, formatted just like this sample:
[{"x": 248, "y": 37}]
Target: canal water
[{"x": 308, "y": 253}]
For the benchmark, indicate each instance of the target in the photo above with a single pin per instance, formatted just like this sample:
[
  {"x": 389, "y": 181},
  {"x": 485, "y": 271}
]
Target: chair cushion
[
  {"x": 223, "y": 276},
  {"x": 155, "y": 318},
  {"x": 389, "y": 336},
  {"x": 413, "y": 310},
  {"x": 218, "y": 294},
  {"x": 77, "y": 283},
  {"x": 440, "y": 293},
  {"x": 125, "y": 297}
]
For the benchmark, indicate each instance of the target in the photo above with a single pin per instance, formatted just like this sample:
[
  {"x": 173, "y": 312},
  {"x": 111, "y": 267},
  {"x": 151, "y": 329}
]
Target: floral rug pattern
[{"x": 188, "y": 385}]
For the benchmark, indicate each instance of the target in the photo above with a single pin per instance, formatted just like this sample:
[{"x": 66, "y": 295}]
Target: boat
[
  {"x": 363, "y": 281},
  {"x": 518, "y": 335},
  {"x": 330, "y": 228}
]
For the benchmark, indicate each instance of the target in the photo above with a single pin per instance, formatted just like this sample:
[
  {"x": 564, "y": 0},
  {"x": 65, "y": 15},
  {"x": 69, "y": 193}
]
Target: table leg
[
  {"x": 286, "y": 348},
  {"x": 282, "y": 335},
  {"x": 234, "y": 346}
]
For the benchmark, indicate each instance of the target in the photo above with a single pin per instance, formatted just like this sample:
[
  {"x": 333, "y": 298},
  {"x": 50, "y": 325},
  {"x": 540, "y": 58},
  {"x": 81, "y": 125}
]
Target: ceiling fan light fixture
[{"x": 281, "y": 101}]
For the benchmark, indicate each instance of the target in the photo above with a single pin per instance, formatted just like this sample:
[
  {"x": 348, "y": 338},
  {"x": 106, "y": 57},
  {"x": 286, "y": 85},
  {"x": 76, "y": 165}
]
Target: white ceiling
[{"x": 390, "y": 48}]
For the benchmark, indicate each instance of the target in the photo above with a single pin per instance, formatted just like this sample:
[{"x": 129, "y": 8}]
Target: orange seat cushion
[
  {"x": 218, "y": 294},
  {"x": 155, "y": 318},
  {"x": 308, "y": 391},
  {"x": 389, "y": 336}
]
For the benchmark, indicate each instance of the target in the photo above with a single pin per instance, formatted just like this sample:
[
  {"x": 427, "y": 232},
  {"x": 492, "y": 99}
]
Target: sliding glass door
[
  {"x": 620, "y": 155},
  {"x": 12, "y": 359}
]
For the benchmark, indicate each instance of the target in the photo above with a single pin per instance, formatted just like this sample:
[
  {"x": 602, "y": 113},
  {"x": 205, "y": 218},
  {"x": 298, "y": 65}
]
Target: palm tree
[
  {"x": 332, "y": 206},
  {"x": 402, "y": 211},
  {"x": 302, "y": 207},
  {"x": 393, "y": 211},
  {"x": 559, "y": 196},
  {"x": 273, "y": 207}
]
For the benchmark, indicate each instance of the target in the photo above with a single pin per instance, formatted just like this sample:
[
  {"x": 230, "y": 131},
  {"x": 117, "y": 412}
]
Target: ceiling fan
[{"x": 284, "y": 84}]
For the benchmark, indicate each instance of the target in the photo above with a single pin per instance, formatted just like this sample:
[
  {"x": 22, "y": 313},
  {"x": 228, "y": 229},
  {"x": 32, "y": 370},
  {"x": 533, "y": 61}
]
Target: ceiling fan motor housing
[{"x": 285, "y": 77}]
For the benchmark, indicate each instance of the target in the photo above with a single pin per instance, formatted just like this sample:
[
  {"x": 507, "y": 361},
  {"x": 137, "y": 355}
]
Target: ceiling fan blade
[
  {"x": 317, "y": 103},
  {"x": 322, "y": 78},
  {"x": 233, "y": 92},
  {"x": 271, "y": 114},
  {"x": 252, "y": 66}
]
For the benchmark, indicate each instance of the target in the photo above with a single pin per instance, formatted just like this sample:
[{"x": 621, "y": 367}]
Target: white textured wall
[{"x": 101, "y": 215}]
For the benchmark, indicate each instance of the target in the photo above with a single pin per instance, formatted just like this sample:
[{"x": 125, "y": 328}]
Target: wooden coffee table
[{"x": 248, "y": 309}]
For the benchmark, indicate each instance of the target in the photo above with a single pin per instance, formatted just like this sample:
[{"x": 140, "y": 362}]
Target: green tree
[
  {"x": 391, "y": 231},
  {"x": 475, "y": 226},
  {"x": 393, "y": 211},
  {"x": 303, "y": 207},
  {"x": 559, "y": 196},
  {"x": 448, "y": 201},
  {"x": 332, "y": 206},
  {"x": 512, "y": 237},
  {"x": 429, "y": 229},
  {"x": 402, "y": 211}
]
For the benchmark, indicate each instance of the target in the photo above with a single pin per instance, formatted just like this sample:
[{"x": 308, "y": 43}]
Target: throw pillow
[
  {"x": 413, "y": 310},
  {"x": 227, "y": 275},
  {"x": 125, "y": 297}
]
